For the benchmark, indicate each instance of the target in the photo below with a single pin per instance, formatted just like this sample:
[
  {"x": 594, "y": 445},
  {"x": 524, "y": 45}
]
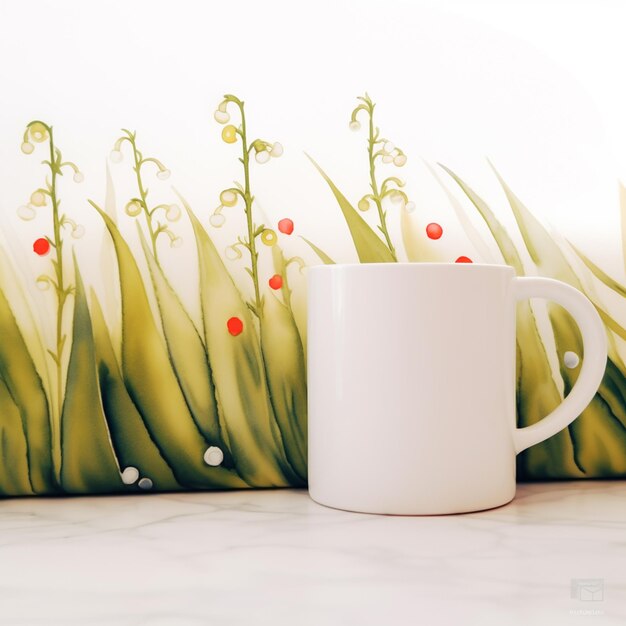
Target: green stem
[
  {"x": 61, "y": 291},
  {"x": 61, "y": 294},
  {"x": 143, "y": 195},
  {"x": 254, "y": 255},
  {"x": 371, "y": 144},
  {"x": 286, "y": 290}
]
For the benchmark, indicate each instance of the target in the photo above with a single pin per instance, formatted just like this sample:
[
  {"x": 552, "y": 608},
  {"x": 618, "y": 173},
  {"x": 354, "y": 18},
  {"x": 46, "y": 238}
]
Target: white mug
[{"x": 411, "y": 384}]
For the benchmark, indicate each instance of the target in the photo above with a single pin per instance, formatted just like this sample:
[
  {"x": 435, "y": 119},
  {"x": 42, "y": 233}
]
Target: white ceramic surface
[
  {"x": 275, "y": 558},
  {"x": 412, "y": 384}
]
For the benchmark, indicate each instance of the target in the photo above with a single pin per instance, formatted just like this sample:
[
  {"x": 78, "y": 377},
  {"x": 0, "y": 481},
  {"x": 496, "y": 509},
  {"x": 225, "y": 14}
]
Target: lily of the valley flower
[
  {"x": 175, "y": 240},
  {"x": 263, "y": 150},
  {"x": 217, "y": 220},
  {"x": 268, "y": 237},
  {"x": 364, "y": 203},
  {"x": 43, "y": 282},
  {"x": 38, "y": 198},
  {"x": 228, "y": 198},
  {"x": 38, "y": 131},
  {"x": 26, "y": 212},
  {"x": 134, "y": 207},
  {"x": 221, "y": 115},
  {"x": 229, "y": 134},
  {"x": 277, "y": 150},
  {"x": 77, "y": 230},
  {"x": 173, "y": 213},
  {"x": 262, "y": 156}
]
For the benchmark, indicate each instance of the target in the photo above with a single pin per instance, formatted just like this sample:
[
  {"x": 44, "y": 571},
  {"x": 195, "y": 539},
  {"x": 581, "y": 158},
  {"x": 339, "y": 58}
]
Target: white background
[{"x": 535, "y": 86}]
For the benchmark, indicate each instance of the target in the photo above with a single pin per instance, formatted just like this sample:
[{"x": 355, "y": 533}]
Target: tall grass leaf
[
  {"x": 26, "y": 389},
  {"x": 484, "y": 252},
  {"x": 600, "y": 431},
  {"x": 417, "y": 248},
  {"x": 238, "y": 372},
  {"x": 622, "y": 207},
  {"x": 152, "y": 384},
  {"x": 15, "y": 289},
  {"x": 320, "y": 253},
  {"x": 369, "y": 247},
  {"x": 504, "y": 242},
  {"x": 89, "y": 464},
  {"x": 537, "y": 393},
  {"x": 286, "y": 376},
  {"x": 131, "y": 440},
  {"x": 283, "y": 356},
  {"x": 601, "y": 275},
  {"x": 14, "y": 478},
  {"x": 188, "y": 357},
  {"x": 110, "y": 293},
  {"x": 610, "y": 323}
]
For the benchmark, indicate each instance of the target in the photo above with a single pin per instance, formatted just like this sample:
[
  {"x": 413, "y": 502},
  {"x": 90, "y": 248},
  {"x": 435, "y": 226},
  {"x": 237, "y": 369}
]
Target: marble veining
[{"x": 275, "y": 557}]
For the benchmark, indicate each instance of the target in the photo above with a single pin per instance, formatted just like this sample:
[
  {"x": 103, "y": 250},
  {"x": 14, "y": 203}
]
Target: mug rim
[{"x": 403, "y": 264}]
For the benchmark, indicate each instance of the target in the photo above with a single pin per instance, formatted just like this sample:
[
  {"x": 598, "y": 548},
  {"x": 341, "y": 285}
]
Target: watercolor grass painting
[{"x": 157, "y": 394}]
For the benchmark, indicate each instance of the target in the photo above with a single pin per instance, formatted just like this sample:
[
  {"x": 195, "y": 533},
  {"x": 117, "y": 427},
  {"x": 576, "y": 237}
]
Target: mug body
[{"x": 411, "y": 387}]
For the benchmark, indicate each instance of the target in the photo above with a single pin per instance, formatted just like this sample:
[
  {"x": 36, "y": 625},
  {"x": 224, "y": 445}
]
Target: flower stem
[
  {"x": 61, "y": 290},
  {"x": 371, "y": 145},
  {"x": 143, "y": 195},
  {"x": 248, "y": 199}
]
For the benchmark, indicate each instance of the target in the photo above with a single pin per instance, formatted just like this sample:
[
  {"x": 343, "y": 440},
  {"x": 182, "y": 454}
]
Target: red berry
[
  {"x": 464, "y": 259},
  {"x": 41, "y": 246},
  {"x": 434, "y": 231},
  {"x": 235, "y": 326},
  {"x": 276, "y": 281},
  {"x": 285, "y": 226}
]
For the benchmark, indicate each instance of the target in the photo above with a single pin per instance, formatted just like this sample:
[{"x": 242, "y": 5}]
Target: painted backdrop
[{"x": 155, "y": 230}]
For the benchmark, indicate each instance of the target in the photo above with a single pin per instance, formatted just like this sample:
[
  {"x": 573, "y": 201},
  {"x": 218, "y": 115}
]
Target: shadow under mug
[{"x": 411, "y": 384}]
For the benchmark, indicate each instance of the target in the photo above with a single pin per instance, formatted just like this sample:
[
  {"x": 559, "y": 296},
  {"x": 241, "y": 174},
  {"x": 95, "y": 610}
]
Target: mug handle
[{"x": 593, "y": 361}]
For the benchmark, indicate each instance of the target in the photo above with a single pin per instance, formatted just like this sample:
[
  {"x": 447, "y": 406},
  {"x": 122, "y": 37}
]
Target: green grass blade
[
  {"x": 599, "y": 433},
  {"x": 283, "y": 356},
  {"x": 188, "y": 357},
  {"x": 537, "y": 393},
  {"x": 369, "y": 247},
  {"x": 238, "y": 371},
  {"x": 484, "y": 252},
  {"x": 26, "y": 389},
  {"x": 320, "y": 253},
  {"x": 501, "y": 237},
  {"x": 152, "y": 384},
  {"x": 418, "y": 248},
  {"x": 131, "y": 440},
  {"x": 89, "y": 464},
  {"x": 622, "y": 209},
  {"x": 14, "y": 287},
  {"x": 610, "y": 323},
  {"x": 110, "y": 289},
  {"x": 602, "y": 276},
  {"x": 14, "y": 478}
]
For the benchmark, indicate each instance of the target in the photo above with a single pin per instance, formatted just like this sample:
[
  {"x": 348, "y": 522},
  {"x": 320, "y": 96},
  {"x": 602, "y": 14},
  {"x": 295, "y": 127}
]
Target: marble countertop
[{"x": 555, "y": 555}]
